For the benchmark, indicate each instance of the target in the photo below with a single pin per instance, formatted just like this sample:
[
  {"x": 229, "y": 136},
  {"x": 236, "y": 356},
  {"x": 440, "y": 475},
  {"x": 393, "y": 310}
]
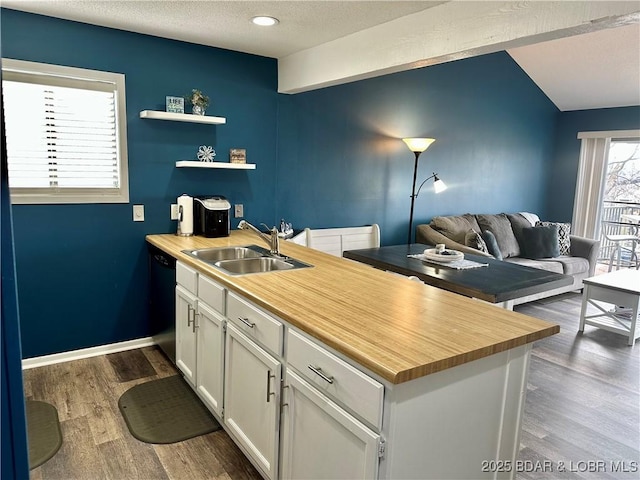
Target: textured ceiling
[
  {"x": 227, "y": 24},
  {"x": 594, "y": 70}
]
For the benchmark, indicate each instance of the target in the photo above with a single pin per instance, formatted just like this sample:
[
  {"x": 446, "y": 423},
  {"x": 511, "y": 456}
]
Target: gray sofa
[{"x": 515, "y": 236}]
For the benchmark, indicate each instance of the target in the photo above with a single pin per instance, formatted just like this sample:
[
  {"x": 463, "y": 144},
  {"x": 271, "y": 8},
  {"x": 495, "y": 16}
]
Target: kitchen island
[{"x": 451, "y": 370}]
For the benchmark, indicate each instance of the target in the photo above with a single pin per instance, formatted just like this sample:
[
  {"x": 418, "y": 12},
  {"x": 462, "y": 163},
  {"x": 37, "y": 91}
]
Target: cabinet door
[
  {"x": 251, "y": 399},
  {"x": 186, "y": 334},
  {"x": 210, "y": 350},
  {"x": 320, "y": 439}
]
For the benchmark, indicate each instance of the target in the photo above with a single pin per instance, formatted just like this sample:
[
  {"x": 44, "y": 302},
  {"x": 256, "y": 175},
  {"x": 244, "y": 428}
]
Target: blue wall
[
  {"x": 327, "y": 158},
  {"x": 567, "y": 153},
  {"x": 340, "y": 160},
  {"x": 82, "y": 275}
]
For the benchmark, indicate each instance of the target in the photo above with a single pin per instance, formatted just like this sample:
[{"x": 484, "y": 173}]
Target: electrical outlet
[
  {"x": 238, "y": 210},
  {"x": 138, "y": 213},
  {"x": 175, "y": 212}
]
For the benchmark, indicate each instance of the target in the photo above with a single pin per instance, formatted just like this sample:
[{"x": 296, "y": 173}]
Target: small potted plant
[{"x": 199, "y": 101}]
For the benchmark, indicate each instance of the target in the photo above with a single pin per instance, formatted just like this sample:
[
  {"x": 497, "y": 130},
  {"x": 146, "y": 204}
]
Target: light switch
[{"x": 138, "y": 213}]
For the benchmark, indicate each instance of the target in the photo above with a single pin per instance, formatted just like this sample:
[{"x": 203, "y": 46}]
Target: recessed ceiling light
[{"x": 264, "y": 21}]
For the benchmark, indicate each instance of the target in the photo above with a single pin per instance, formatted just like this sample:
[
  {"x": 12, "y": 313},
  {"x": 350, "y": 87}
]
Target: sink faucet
[{"x": 272, "y": 239}]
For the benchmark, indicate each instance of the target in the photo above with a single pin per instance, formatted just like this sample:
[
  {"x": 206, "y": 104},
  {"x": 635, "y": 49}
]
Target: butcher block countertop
[{"x": 397, "y": 328}]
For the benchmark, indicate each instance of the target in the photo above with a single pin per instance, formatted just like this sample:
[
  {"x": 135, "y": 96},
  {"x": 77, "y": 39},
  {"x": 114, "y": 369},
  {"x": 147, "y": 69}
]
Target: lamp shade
[
  {"x": 418, "y": 144},
  {"x": 439, "y": 185}
]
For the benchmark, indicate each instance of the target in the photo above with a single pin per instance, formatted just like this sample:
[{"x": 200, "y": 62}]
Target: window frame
[{"x": 58, "y": 195}]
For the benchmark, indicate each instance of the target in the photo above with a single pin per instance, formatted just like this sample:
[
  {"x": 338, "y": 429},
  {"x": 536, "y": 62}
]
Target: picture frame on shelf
[
  {"x": 238, "y": 155},
  {"x": 175, "y": 104}
]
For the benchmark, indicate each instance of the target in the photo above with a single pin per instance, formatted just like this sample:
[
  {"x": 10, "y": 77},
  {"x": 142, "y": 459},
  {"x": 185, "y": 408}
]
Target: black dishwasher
[{"x": 162, "y": 300}]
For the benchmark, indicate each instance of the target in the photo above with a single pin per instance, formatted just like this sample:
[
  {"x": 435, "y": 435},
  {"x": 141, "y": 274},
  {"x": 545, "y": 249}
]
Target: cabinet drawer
[
  {"x": 258, "y": 325},
  {"x": 187, "y": 277},
  {"x": 346, "y": 384},
  {"x": 211, "y": 293}
]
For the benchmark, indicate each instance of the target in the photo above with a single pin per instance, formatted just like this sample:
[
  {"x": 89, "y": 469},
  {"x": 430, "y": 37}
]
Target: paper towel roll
[{"x": 185, "y": 222}]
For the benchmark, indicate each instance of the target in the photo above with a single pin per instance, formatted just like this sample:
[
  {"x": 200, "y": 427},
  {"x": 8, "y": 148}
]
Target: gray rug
[
  {"x": 165, "y": 411},
  {"x": 43, "y": 430}
]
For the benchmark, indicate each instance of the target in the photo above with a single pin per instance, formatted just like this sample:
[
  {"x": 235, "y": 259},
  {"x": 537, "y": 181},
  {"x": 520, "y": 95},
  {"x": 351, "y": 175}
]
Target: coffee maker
[{"x": 211, "y": 216}]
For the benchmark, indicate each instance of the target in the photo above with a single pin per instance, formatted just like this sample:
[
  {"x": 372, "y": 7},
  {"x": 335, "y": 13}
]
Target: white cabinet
[
  {"x": 210, "y": 357},
  {"x": 335, "y": 378},
  {"x": 320, "y": 439},
  {"x": 186, "y": 333},
  {"x": 200, "y": 323},
  {"x": 251, "y": 399}
]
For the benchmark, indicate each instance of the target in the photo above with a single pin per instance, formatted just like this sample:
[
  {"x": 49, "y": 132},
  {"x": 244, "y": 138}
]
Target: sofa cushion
[
  {"x": 548, "y": 265},
  {"x": 572, "y": 265},
  {"x": 455, "y": 227},
  {"x": 474, "y": 240},
  {"x": 500, "y": 226},
  {"x": 564, "y": 235},
  {"x": 518, "y": 222},
  {"x": 492, "y": 245},
  {"x": 540, "y": 242}
]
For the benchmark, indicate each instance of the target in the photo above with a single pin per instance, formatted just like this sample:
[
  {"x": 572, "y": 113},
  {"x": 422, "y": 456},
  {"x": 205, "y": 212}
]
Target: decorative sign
[
  {"x": 206, "y": 153},
  {"x": 175, "y": 104},
  {"x": 238, "y": 155}
]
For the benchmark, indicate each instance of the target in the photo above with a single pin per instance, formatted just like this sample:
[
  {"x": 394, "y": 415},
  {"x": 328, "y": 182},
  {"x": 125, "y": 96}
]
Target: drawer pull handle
[
  {"x": 189, "y": 317},
  {"x": 318, "y": 371},
  {"x": 269, "y": 392},
  {"x": 247, "y": 322}
]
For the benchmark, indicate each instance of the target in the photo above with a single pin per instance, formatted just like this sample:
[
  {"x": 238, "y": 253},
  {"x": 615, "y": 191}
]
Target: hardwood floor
[
  {"x": 583, "y": 400},
  {"x": 583, "y": 409},
  {"x": 96, "y": 442}
]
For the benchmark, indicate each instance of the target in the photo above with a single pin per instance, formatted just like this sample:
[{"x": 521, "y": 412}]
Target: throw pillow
[
  {"x": 492, "y": 244},
  {"x": 564, "y": 235},
  {"x": 541, "y": 242},
  {"x": 518, "y": 222},
  {"x": 500, "y": 226},
  {"x": 455, "y": 227},
  {"x": 474, "y": 240}
]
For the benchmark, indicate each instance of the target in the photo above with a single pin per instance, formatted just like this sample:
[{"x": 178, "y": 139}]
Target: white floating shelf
[
  {"x": 182, "y": 117},
  {"x": 233, "y": 166}
]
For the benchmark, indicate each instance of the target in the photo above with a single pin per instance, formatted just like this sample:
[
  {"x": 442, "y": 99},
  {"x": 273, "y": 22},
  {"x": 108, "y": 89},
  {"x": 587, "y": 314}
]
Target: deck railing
[{"x": 612, "y": 223}]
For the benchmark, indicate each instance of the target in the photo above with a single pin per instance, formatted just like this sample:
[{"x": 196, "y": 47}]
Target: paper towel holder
[{"x": 182, "y": 221}]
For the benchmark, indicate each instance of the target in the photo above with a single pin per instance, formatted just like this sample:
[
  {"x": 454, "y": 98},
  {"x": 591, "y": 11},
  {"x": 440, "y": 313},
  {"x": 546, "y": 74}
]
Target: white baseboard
[{"x": 34, "y": 362}]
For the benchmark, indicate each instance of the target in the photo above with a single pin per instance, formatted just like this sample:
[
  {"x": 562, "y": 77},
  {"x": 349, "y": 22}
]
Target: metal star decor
[{"x": 206, "y": 153}]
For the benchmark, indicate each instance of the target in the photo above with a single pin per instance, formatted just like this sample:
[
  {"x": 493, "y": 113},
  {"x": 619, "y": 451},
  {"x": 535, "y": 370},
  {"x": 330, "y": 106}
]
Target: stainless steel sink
[
  {"x": 245, "y": 266},
  {"x": 212, "y": 255},
  {"x": 245, "y": 260}
]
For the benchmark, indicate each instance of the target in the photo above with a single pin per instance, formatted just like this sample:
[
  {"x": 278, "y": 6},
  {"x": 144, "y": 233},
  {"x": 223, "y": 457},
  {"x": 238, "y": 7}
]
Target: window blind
[
  {"x": 60, "y": 137},
  {"x": 65, "y": 134}
]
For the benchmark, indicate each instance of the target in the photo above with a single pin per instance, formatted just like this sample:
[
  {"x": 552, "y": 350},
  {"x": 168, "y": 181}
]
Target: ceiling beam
[{"x": 446, "y": 32}]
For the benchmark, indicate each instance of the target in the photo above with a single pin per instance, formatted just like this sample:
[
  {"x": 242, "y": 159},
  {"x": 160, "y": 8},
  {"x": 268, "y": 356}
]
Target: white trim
[
  {"x": 610, "y": 134},
  {"x": 103, "y": 81},
  {"x": 34, "y": 362}
]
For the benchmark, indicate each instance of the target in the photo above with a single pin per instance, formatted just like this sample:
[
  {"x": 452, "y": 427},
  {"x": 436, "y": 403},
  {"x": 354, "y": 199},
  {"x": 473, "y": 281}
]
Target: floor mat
[
  {"x": 165, "y": 411},
  {"x": 43, "y": 430}
]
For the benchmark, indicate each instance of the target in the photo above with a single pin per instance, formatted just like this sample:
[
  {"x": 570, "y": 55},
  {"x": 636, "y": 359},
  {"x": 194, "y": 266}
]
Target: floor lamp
[{"x": 417, "y": 146}]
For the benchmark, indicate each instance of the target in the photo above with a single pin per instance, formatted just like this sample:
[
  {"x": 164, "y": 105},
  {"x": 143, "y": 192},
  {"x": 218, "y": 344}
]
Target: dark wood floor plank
[
  {"x": 193, "y": 458},
  {"x": 583, "y": 398},
  {"x": 129, "y": 458},
  {"x": 131, "y": 365},
  {"x": 96, "y": 442},
  {"x": 234, "y": 460},
  {"x": 77, "y": 457},
  {"x": 161, "y": 364}
]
